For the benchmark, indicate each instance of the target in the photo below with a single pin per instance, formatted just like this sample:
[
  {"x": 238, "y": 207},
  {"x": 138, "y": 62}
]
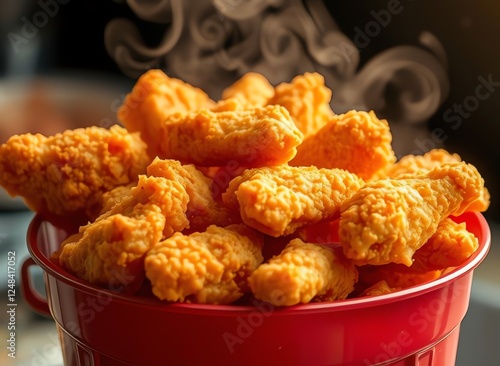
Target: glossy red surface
[{"x": 416, "y": 326}]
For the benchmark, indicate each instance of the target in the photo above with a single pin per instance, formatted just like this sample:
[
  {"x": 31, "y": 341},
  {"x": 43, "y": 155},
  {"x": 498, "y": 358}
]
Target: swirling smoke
[{"x": 211, "y": 43}]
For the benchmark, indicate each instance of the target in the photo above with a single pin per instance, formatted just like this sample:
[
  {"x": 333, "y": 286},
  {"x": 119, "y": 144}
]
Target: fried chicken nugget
[
  {"x": 70, "y": 171},
  {"x": 154, "y": 97},
  {"x": 252, "y": 90},
  {"x": 410, "y": 164},
  {"x": 396, "y": 276},
  {"x": 205, "y": 267},
  {"x": 110, "y": 251},
  {"x": 450, "y": 246},
  {"x": 259, "y": 137},
  {"x": 202, "y": 209},
  {"x": 388, "y": 220},
  {"x": 356, "y": 141},
  {"x": 279, "y": 200},
  {"x": 304, "y": 272},
  {"x": 482, "y": 203},
  {"x": 308, "y": 101},
  {"x": 169, "y": 195},
  {"x": 379, "y": 288},
  {"x": 113, "y": 246},
  {"x": 113, "y": 197}
]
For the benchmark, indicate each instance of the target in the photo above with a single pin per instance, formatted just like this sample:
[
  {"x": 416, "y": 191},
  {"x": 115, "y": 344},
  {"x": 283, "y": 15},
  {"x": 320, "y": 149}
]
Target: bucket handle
[{"x": 31, "y": 295}]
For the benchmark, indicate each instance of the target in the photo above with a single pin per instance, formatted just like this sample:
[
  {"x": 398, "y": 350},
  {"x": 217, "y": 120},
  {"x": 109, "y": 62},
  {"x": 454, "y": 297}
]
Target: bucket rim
[{"x": 474, "y": 218}]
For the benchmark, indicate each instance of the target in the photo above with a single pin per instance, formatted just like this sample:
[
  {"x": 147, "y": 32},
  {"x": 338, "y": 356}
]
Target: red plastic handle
[{"x": 30, "y": 294}]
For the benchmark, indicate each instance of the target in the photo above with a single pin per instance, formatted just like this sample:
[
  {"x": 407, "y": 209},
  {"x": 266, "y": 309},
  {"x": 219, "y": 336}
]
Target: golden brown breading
[
  {"x": 202, "y": 209},
  {"x": 308, "y": 101},
  {"x": 482, "y": 204},
  {"x": 279, "y": 200},
  {"x": 379, "y": 288},
  {"x": 258, "y": 137},
  {"x": 169, "y": 195},
  {"x": 70, "y": 171},
  {"x": 411, "y": 164},
  {"x": 114, "y": 196},
  {"x": 222, "y": 176},
  {"x": 251, "y": 90},
  {"x": 204, "y": 267},
  {"x": 304, "y": 272},
  {"x": 114, "y": 245},
  {"x": 230, "y": 105},
  {"x": 450, "y": 246},
  {"x": 153, "y": 98},
  {"x": 355, "y": 141},
  {"x": 110, "y": 252},
  {"x": 466, "y": 179},
  {"x": 396, "y": 276},
  {"x": 388, "y": 220}
]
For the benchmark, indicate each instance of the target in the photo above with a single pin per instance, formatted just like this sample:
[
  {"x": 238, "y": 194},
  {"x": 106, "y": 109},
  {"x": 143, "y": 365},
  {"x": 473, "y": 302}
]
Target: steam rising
[{"x": 211, "y": 43}]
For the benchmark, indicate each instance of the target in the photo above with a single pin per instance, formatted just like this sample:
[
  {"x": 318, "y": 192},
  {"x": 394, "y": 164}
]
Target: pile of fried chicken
[{"x": 190, "y": 195}]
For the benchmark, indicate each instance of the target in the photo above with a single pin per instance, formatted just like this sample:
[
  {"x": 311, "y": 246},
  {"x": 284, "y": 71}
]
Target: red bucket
[{"x": 415, "y": 326}]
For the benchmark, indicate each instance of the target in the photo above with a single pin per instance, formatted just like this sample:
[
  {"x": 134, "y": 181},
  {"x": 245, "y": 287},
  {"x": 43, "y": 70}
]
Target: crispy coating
[
  {"x": 482, "y": 203},
  {"x": 114, "y": 196},
  {"x": 169, "y": 195},
  {"x": 230, "y": 105},
  {"x": 258, "y": 137},
  {"x": 114, "y": 245},
  {"x": 222, "y": 176},
  {"x": 379, "y": 288},
  {"x": 308, "y": 101},
  {"x": 303, "y": 272},
  {"x": 466, "y": 180},
  {"x": 154, "y": 97},
  {"x": 279, "y": 200},
  {"x": 202, "y": 209},
  {"x": 110, "y": 251},
  {"x": 388, "y": 220},
  {"x": 396, "y": 276},
  {"x": 251, "y": 90},
  {"x": 356, "y": 141},
  {"x": 450, "y": 246},
  {"x": 204, "y": 267},
  {"x": 70, "y": 171},
  {"x": 410, "y": 164}
]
